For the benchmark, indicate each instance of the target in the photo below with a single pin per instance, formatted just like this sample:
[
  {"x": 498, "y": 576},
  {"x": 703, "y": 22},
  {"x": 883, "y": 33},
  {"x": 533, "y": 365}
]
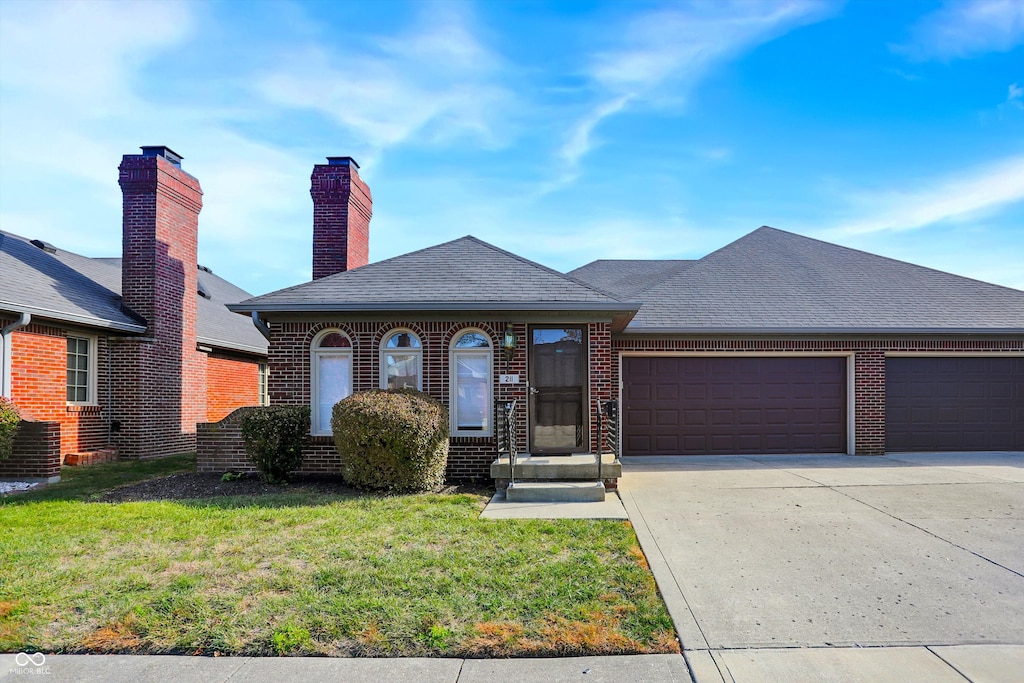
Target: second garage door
[
  {"x": 954, "y": 404},
  {"x": 708, "y": 405}
]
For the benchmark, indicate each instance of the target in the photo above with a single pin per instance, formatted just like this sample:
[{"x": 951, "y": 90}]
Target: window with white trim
[
  {"x": 264, "y": 388},
  {"x": 401, "y": 361},
  {"x": 331, "y": 377},
  {"x": 471, "y": 370},
  {"x": 82, "y": 370}
]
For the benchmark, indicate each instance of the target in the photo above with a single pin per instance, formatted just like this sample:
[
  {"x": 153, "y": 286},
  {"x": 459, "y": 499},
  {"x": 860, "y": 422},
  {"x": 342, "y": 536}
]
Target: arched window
[
  {"x": 401, "y": 361},
  {"x": 331, "y": 377},
  {"x": 471, "y": 371}
]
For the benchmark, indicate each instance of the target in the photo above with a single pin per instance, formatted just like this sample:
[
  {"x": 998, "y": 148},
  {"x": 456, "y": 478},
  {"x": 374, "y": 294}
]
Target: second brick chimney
[{"x": 342, "y": 207}]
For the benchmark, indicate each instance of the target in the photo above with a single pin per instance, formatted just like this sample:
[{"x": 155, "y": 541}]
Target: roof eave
[
  {"x": 822, "y": 330},
  {"x": 231, "y": 346},
  {"x": 414, "y": 306},
  {"x": 73, "y": 318}
]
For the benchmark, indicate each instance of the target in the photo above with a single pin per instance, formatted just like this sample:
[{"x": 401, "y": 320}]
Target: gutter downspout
[
  {"x": 260, "y": 325},
  {"x": 6, "y": 360}
]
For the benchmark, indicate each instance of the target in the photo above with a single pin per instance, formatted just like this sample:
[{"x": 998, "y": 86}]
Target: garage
[
  {"x": 954, "y": 404},
  {"x": 728, "y": 405}
]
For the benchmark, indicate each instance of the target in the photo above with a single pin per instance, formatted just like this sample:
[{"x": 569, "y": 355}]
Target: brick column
[{"x": 869, "y": 402}]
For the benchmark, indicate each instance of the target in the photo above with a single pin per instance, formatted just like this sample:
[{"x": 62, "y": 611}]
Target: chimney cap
[
  {"x": 162, "y": 151},
  {"x": 342, "y": 161}
]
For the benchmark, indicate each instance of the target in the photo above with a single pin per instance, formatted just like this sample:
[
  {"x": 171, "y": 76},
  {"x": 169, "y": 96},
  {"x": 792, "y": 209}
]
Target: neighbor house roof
[
  {"x": 67, "y": 287},
  {"x": 627, "y": 277},
  {"x": 772, "y": 281},
  {"x": 464, "y": 274}
]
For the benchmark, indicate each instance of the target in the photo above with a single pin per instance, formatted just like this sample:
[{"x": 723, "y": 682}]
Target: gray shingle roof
[
  {"x": 464, "y": 274},
  {"x": 86, "y": 291},
  {"x": 771, "y": 280},
  {"x": 627, "y": 277}
]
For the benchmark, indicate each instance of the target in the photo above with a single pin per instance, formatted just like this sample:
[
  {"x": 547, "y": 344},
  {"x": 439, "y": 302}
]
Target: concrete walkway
[
  {"x": 822, "y": 568},
  {"x": 156, "y": 669}
]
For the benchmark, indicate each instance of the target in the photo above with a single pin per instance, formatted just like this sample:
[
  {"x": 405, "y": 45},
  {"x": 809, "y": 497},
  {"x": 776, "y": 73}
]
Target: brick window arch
[
  {"x": 471, "y": 369},
  {"x": 330, "y": 377},
  {"x": 401, "y": 360}
]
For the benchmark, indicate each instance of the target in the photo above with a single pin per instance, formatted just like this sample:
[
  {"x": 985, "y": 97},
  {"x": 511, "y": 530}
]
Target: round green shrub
[
  {"x": 274, "y": 436},
  {"x": 9, "y": 420},
  {"x": 394, "y": 440}
]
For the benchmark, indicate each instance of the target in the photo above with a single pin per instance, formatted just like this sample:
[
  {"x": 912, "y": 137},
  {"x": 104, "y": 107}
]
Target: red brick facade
[
  {"x": 232, "y": 382},
  {"x": 469, "y": 457},
  {"x": 868, "y": 366},
  {"x": 147, "y": 392},
  {"x": 39, "y": 386},
  {"x": 342, "y": 207}
]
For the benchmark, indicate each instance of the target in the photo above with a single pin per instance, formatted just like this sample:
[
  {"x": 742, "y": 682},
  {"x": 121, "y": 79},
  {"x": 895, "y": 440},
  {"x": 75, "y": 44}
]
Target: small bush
[
  {"x": 273, "y": 437},
  {"x": 395, "y": 440},
  {"x": 9, "y": 421}
]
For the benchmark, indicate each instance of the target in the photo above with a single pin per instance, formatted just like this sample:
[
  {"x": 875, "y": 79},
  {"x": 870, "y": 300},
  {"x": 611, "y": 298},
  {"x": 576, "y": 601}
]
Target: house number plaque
[{"x": 508, "y": 379}]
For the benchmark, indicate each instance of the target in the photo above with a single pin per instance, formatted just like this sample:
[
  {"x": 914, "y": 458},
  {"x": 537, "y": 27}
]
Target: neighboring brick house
[
  {"x": 775, "y": 343},
  {"x": 127, "y": 354}
]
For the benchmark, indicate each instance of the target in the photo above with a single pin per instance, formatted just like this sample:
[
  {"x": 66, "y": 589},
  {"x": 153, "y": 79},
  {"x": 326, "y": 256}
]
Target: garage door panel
[
  {"x": 695, "y": 417},
  {"x": 954, "y": 403},
  {"x": 638, "y": 418},
  {"x": 695, "y": 392},
  {"x": 732, "y": 405},
  {"x": 666, "y": 417},
  {"x": 666, "y": 392},
  {"x": 748, "y": 417}
]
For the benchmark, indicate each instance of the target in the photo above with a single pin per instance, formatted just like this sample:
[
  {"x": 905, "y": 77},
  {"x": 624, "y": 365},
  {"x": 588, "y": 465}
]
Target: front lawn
[{"x": 314, "y": 573}]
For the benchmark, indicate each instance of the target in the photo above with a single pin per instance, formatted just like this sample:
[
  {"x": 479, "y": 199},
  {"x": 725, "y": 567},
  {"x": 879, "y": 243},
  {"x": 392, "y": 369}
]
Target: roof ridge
[
  {"x": 539, "y": 266},
  {"x": 874, "y": 256}
]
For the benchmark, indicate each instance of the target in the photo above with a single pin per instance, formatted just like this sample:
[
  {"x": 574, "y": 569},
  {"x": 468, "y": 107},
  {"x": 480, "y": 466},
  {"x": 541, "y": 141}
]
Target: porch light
[{"x": 509, "y": 343}]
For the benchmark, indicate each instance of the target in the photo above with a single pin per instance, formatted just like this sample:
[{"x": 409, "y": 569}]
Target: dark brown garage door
[
  {"x": 954, "y": 404},
  {"x": 728, "y": 405}
]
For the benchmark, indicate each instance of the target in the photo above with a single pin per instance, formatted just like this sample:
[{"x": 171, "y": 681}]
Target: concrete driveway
[{"x": 758, "y": 555}]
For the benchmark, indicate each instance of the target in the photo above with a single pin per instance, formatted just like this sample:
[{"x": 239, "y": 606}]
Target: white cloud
[
  {"x": 100, "y": 47},
  {"x": 966, "y": 28},
  {"x": 959, "y": 197},
  {"x": 434, "y": 82},
  {"x": 665, "y": 53},
  {"x": 1015, "y": 96}
]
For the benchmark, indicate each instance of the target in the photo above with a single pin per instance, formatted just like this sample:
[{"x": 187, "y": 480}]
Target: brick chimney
[
  {"x": 161, "y": 393},
  {"x": 342, "y": 208}
]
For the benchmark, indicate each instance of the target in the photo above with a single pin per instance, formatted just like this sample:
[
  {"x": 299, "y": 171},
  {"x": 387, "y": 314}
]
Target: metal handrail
[
  {"x": 506, "y": 430},
  {"x": 607, "y": 429}
]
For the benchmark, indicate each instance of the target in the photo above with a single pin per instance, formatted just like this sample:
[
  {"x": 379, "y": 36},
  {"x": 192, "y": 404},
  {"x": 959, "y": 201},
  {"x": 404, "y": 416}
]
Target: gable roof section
[
  {"x": 87, "y": 291},
  {"x": 62, "y": 286},
  {"x": 772, "y": 281},
  {"x": 627, "y": 277},
  {"x": 464, "y": 274}
]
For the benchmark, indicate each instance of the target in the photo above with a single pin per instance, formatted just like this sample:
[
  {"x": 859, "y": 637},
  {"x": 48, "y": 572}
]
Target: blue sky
[{"x": 565, "y": 132}]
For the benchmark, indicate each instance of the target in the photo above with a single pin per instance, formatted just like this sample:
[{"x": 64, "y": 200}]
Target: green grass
[
  {"x": 301, "y": 574},
  {"x": 88, "y": 483}
]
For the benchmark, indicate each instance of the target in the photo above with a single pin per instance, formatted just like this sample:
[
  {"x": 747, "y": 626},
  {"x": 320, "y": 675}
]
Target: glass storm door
[{"x": 558, "y": 389}]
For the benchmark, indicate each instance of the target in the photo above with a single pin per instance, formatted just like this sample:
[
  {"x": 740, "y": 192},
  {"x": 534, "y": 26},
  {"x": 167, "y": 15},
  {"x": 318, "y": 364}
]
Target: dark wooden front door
[
  {"x": 725, "y": 405},
  {"x": 558, "y": 389},
  {"x": 954, "y": 404}
]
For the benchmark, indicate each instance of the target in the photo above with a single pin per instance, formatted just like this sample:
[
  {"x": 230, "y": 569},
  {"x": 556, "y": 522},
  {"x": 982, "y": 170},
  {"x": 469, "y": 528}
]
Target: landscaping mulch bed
[{"x": 193, "y": 485}]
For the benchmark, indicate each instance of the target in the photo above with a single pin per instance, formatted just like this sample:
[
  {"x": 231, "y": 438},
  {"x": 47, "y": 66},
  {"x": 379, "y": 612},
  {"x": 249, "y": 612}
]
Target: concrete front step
[
  {"x": 579, "y": 466},
  {"x": 555, "y": 492}
]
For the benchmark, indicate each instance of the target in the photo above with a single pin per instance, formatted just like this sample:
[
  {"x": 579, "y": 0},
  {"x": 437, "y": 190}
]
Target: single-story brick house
[
  {"x": 124, "y": 354},
  {"x": 776, "y": 343}
]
